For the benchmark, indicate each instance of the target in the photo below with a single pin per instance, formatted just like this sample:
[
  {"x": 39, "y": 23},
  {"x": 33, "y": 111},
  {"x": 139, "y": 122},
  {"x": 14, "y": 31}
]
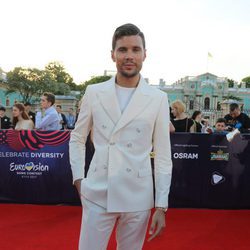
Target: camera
[{"x": 229, "y": 129}]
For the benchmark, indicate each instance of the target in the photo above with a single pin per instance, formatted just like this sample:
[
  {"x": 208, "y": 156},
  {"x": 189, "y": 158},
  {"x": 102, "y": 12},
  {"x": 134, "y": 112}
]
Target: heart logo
[{"x": 29, "y": 166}]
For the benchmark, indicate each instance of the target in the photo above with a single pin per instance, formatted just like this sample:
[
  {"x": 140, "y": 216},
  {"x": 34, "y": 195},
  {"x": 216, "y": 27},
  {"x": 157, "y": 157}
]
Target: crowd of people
[
  {"x": 198, "y": 123},
  {"x": 48, "y": 117},
  {"x": 52, "y": 118}
]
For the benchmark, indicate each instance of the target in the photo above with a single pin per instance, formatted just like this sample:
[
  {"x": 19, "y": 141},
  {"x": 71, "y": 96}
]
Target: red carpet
[{"x": 29, "y": 227}]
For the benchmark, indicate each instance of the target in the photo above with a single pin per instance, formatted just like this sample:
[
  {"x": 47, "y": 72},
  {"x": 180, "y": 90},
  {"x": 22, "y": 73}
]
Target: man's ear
[{"x": 112, "y": 55}]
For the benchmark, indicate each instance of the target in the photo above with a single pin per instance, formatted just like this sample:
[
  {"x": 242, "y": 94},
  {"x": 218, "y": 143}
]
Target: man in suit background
[
  {"x": 31, "y": 114},
  {"x": 127, "y": 118},
  {"x": 71, "y": 119},
  {"x": 5, "y": 122},
  {"x": 62, "y": 117}
]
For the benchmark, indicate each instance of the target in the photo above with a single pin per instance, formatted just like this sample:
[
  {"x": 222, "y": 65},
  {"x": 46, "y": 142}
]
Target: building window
[
  {"x": 207, "y": 103},
  {"x": 191, "y": 104},
  {"x": 218, "y": 106}
]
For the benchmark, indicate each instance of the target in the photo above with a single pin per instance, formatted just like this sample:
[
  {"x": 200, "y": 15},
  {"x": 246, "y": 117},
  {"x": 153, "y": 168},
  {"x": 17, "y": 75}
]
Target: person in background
[
  {"x": 197, "y": 117},
  {"x": 78, "y": 110},
  {"x": 220, "y": 126},
  {"x": 21, "y": 120},
  {"x": 181, "y": 122},
  {"x": 31, "y": 114},
  {"x": 206, "y": 127},
  {"x": 5, "y": 122},
  {"x": 171, "y": 127},
  {"x": 171, "y": 113},
  {"x": 47, "y": 118},
  {"x": 62, "y": 117},
  {"x": 71, "y": 119},
  {"x": 237, "y": 119}
]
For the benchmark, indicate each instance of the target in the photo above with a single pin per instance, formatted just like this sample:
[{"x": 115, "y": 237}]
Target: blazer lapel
[
  {"x": 108, "y": 100},
  {"x": 140, "y": 99}
]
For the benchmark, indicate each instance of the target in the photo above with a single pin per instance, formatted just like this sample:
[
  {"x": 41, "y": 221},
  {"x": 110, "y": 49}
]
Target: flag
[{"x": 209, "y": 55}]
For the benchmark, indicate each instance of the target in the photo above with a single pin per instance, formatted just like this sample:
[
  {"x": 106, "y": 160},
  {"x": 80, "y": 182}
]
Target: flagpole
[
  {"x": 207, "y": 65},
  {"x": 209, "y": 55}
]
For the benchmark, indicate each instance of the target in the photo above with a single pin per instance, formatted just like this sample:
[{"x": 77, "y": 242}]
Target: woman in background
[
  {"x": 21, "y": 120},
  {"x": 197, "y": 119},
  {"x": 181, "y": 122}
]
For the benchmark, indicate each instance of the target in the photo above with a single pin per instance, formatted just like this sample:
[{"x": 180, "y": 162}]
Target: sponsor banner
[
  {"x": 187, "y": 154},
  {"x": 216, "y": 174}
]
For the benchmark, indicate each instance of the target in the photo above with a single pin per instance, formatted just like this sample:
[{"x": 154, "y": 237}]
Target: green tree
[
  {"x": 231, "y": 83},
  {"x": 29, "y": 82},
  {"x": 61, "y": 89},
  {"x": 96, "y": 79},
  {"x": 1, "y": 75},
  {"x": 60, "y": 75},
  {"x": 246, "y": 80},
  {"x": 232, "y": 97}
]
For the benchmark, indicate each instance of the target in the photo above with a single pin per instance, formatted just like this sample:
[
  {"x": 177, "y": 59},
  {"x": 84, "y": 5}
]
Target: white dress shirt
[{"x": 48, "y": 120}]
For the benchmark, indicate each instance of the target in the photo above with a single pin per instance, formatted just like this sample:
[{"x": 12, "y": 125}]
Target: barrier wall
[{"x": 208, "y": 171}]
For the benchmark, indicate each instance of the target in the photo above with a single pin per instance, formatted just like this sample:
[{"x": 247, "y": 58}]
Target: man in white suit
[{"x": 127, "y": 118}]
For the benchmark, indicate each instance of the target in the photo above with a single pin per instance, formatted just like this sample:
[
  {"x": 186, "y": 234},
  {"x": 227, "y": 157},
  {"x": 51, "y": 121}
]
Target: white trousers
[{"x": 97, "y": 226}]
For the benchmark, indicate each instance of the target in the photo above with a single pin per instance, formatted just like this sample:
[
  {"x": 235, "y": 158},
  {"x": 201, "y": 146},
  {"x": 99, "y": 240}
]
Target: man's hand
[
  {"x": 158, "y": 224},
  {"x": 77, "y": 183}
]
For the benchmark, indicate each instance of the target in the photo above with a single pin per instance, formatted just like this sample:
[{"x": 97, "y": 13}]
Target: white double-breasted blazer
[{"x": 120, "y": 173}]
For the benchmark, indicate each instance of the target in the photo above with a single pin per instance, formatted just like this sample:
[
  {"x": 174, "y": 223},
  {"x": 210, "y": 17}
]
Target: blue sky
[{"x": 179, "y": 35}]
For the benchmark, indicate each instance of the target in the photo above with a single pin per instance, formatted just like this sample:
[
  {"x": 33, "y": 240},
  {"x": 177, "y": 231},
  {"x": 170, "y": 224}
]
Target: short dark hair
[
  {"x": 59, "y": 106},
  {"x": 128, "y": 29},
  {"x": 233, "y": 106},
  {"x": 3, "y": 108},
  {"x": 221, "y": 120},
  {"x": 27, "y": 104},
  {"x": 50, "y": 97}
]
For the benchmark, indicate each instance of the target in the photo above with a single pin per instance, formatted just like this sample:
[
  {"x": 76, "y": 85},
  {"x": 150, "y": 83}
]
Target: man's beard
[{"x": 129, "y": 75}]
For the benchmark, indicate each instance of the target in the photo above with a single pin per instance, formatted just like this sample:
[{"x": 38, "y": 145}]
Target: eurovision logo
[
  {"x": 29, "y": 166},
  {"x": 219, "y": 156},
  {"x": 29, "y": 170}
]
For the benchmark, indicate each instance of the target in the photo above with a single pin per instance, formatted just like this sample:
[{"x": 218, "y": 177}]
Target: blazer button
[
  {"x": 104, "y": 127},
  {"x": 129, "y": 145},
  {"x": 128, "y": 170},
  {"x": 138, "y": 130},
  {"x": 112, "y": 143}
]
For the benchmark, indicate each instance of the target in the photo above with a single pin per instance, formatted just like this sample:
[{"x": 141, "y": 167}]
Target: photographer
[
  {"x": 237, "y": 119},
  {"x": 206, "y": 127}
]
